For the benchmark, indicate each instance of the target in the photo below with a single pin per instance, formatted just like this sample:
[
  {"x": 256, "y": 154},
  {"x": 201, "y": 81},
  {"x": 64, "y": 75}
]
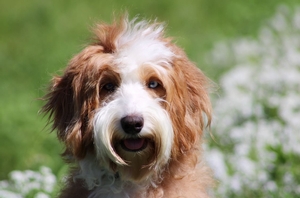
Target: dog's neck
[
  {"x": 105, "y": 183},
  {"x": 101, "y": 182}
]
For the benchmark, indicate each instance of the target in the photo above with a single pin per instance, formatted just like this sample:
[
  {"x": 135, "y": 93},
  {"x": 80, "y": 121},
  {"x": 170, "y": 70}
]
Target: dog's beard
[{"x": 134, "y": 157}]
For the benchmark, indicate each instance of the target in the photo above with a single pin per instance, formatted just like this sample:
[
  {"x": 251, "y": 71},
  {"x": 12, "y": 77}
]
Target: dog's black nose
[{"x": 132, "y": 124}]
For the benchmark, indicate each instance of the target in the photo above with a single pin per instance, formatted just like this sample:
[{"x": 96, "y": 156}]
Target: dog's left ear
[{"x": 189, "y": 103}]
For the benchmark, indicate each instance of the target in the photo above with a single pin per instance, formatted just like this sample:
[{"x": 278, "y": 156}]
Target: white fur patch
[
  {"x": 139, "y": 44},
  {"x": 131, "y": 98}
]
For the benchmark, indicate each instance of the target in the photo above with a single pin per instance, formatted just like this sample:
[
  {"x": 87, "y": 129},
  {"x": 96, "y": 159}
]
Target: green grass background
[{"x": 38, "y": 37}]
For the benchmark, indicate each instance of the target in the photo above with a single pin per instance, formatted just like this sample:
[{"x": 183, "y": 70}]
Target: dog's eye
[
  {"x": 156, "y": 88},
  {"x": 110, "y": 87},
  {"x": 153, "y": 84},
  {"x": 107, "y": 88}
]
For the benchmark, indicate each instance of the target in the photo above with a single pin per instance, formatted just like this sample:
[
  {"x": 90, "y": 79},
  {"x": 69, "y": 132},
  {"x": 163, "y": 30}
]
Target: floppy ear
[
  {"x": 67, "y": 114},
  {"x": 71, "y": 100},
  {"x": 60, "y": 105},
  {"x": 188, "y": 102},
  {"x": 61, "y": 108},
  {"x": 198, "y": 101}
]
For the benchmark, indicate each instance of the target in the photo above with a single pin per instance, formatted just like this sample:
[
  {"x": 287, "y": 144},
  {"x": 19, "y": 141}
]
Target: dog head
[{"x": 132, "y": 99}]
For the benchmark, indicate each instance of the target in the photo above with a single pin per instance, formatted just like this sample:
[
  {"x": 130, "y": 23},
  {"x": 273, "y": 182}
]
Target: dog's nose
[{"x": 132, "y": 124}]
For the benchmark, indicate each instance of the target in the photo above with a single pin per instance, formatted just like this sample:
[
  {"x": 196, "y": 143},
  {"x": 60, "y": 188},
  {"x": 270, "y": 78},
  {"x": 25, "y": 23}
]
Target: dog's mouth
[{"x": 134, "y": 144}]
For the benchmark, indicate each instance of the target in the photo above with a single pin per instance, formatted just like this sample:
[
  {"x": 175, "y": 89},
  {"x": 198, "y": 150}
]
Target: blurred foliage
[
  {"x": 257, "y": 114},
  {"x": 38, "y": 37}
]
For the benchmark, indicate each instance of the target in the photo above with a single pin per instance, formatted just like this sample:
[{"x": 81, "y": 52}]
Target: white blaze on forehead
[
  {"x": 133, "y": 99},
  {"x": 141, "y": 43}
]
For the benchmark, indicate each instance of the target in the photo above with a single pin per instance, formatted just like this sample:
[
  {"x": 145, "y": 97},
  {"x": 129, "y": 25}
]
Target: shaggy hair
[{"x": 130, "y": 109}]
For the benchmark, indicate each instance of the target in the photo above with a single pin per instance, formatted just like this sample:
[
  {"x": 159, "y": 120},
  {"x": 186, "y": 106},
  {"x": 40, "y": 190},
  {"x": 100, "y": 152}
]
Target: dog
[{"x": 130, "y": 109}]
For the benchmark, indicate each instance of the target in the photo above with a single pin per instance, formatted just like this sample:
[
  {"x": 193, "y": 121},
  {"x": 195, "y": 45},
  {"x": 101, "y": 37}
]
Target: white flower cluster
[
  {"x": 28, "y": 183},
  {"x": 257, "y": 114}
]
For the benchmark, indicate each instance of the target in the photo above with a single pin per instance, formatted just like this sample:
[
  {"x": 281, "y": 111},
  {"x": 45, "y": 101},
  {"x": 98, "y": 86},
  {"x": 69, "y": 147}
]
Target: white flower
[
  {"x": 8, "y": 194},
  {"x": 21, "y": 183},
  {"x": 257, "y": 115},
  {"x": 41, "y": 195}
]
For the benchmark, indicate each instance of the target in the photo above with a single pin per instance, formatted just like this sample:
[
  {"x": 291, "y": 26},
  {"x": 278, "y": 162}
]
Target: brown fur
[{"x": 75, "y": 95}]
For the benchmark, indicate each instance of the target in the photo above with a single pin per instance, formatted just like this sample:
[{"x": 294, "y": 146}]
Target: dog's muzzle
[{"x": 132, "y": 125}]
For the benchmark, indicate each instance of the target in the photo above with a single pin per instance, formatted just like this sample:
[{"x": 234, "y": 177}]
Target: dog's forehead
[
  {"x": 136, "y": 53},
  {"x": 141, "y": 45}
]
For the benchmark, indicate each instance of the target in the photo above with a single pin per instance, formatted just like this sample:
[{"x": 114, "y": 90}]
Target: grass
[{"x": 37, "y": 38}]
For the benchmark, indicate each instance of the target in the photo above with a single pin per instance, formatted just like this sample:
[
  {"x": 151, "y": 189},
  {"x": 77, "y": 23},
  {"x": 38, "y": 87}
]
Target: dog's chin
[{"x": 139, "y": 154}]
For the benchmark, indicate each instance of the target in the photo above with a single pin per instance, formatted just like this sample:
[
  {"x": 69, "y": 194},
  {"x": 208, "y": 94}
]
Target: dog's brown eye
[
  {"x": 110, "y": 87},
  {"x": 153, "y": 84}
]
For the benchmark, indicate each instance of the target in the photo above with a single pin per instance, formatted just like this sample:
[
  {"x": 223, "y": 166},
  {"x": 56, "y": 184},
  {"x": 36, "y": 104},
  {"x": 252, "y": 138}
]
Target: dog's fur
[{"x": 130, "y": 109}]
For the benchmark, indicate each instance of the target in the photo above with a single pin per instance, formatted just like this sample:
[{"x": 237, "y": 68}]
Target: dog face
[{"x": 132, "y": 99}]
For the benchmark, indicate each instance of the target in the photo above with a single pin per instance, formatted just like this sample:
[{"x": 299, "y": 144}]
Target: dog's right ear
[
  {"x": 60, "y": 105},
  {"x": 73, "y": 97}
]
